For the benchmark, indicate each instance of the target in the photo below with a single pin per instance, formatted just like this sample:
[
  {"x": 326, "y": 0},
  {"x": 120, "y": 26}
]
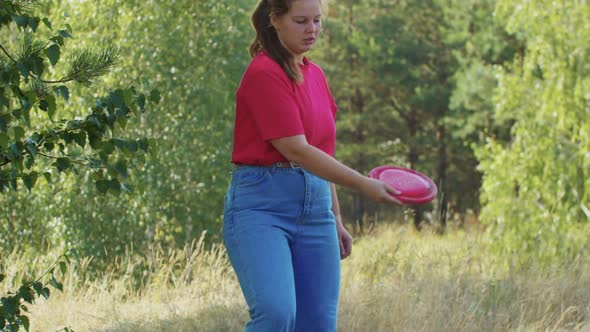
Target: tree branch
[
  {"x": 7, "y": 54},
  {"x": 78, "y": 162},
  {"x": 63, "y": 80}
]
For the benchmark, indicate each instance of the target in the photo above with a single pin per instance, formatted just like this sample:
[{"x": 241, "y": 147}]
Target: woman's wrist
[{"x": 338, "y": 219}]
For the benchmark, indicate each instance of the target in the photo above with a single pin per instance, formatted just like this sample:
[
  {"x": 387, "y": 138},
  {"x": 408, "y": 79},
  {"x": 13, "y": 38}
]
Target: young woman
[{"x": 282, "y": 226}]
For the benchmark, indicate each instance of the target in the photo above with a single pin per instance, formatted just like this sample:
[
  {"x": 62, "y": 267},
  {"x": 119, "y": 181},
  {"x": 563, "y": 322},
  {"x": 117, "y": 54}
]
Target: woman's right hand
[{"x": 379, "y": 191}]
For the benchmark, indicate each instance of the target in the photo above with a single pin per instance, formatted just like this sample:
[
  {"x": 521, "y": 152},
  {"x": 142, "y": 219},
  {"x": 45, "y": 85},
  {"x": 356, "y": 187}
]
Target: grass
[{"x": 396, "y": 280}]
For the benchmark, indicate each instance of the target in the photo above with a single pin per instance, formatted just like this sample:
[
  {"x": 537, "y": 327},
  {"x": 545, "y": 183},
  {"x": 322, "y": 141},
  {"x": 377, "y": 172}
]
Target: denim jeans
[{"x": 280, "y": 235}]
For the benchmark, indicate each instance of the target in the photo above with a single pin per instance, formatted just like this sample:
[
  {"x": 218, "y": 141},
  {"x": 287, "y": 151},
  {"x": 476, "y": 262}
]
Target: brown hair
[{"x": 267, "y": 39}]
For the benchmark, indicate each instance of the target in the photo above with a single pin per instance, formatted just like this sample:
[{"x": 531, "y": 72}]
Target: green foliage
[
  {"x": 13, "y": 306},
  {"x": 195, "y": 53},
  {"x": 536, "y": 189},
  {"x": 31, "y": 145},
  {"x": 37, "y": 140},
  {"x": 407, "y": 77}
]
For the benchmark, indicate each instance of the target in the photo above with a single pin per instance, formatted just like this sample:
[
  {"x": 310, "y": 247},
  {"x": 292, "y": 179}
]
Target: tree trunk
[
  {"x": 413, "y": 160},
  {"x": 441, "y": 173},
  {"x": 357, "y": 105}
]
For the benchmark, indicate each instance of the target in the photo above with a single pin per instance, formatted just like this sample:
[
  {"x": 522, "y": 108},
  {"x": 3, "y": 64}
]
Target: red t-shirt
[{"x": 270, "y": 106}]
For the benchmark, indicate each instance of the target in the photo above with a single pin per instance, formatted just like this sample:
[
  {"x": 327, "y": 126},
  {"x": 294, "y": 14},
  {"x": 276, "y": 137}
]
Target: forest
[{"x": 116, "y": 123}]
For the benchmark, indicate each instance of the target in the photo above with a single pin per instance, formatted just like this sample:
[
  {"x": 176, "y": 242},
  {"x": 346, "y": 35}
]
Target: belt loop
[{"x": 286, "y": 164}]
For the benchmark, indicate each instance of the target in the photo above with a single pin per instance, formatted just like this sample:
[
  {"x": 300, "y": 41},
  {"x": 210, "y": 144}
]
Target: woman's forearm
[
  {"x": 316, "y": 161},
  {"x": 335, "y": 203}
]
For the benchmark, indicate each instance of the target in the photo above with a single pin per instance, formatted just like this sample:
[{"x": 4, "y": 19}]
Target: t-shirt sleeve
[{"x": 271, "y": 104}]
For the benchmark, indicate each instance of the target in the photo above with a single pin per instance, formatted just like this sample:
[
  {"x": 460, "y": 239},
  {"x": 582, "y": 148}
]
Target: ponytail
[{"x": 267, "y": 39}]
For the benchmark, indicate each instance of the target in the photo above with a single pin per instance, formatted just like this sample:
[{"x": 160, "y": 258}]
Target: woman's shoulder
[
  {"x": 263, "y": 68},
  {"x": 264, "y": 64},
  {"x": 314, "y": 67}
]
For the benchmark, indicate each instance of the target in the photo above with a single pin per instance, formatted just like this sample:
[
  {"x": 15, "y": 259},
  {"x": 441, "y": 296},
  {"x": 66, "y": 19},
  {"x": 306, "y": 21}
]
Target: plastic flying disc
[{"x": 415, "y": 187}]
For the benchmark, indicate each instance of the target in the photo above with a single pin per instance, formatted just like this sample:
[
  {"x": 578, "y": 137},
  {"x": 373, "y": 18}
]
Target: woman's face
[{"x": 300, "y": 27}]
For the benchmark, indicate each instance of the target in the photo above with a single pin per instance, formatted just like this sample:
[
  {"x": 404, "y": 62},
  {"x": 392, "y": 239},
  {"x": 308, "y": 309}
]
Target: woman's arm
[
  {"x": 343, "y": 236},
  {"x": 296, "y": 149}
]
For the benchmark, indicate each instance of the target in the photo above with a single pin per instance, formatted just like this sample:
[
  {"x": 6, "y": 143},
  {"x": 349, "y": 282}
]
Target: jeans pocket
[
  {"x": 252, "y": 189},
  {"x": 251, "y": 178}
]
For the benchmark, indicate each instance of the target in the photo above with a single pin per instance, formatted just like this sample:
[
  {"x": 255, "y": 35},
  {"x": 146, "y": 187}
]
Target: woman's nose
[{"x": 313, "y": 27}]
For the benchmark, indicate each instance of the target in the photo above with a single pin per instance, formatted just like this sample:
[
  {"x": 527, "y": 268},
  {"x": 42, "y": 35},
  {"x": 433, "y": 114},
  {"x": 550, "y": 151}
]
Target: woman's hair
[{"x": 267, "y": 39}]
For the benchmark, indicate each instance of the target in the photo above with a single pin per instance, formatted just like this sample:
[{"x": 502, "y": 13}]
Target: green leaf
[
  {"x": 59, "y": 40},
  {"x": 80, "y": 139},
  {"x": 155, "y": 96},
  {"x": 37, "y": 66},
  {"x": 53, "y": 52},
  {"x": 20, "y": 20},
  {"x": 24, "y": 321},
  {"x": 117, "y": 98},
  {"x": 64, "y": 33},
  {"x": 102, "y": 186},
  {"x": 45, "y": 292},
  {"x": 141, "y": 102},
  {"x": 29, "y": 180},
  {"x": 27, "y": 294},
  {"x": 15, "y": 151},
  {"x": 4, "y": 139},
  {"x": 50, "y": 106},
  {"x": 19, "y": 133},
  {"x": 128, "y": 96},
  {"x": 53, "y": 282},
  {"x": 115, "y": 185},
  {"x": 143, "y": 144},
  {"x": 47, "y": 176},
  {"x": 63, "y": 91},
  {"x": 29, "y": 162},
  {"x": 38, "y": 287},
  {"x": 121, "y": 169},
  {"x": 8, "y": 305},
  {"x": 62, "y": 164},
  {"x": 63, "y": 267},
  {"x": 43, "y": 105},
  {"x": 47, "y": 23},
  {"x": 24, "y": 68},
  {"x": 33, "y": 22},
  {"x": 32, "y": 148}
]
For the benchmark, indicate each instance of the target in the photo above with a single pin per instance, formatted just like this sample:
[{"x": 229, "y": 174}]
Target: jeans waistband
[{"x": 280, "y": 164}]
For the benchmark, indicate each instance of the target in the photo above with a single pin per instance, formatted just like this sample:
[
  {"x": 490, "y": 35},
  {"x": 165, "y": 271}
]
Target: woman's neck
[{"x": 298, "y": 59}]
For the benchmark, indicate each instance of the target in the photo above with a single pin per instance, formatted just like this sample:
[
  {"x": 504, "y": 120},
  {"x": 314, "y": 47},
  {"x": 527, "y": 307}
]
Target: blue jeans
[{"x": 280, "y": 235}]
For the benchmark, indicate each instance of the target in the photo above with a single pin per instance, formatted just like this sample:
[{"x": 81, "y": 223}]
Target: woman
[{"x": 282, "y": 225}]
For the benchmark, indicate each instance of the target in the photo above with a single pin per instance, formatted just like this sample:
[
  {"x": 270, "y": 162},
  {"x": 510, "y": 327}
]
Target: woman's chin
[{"x": 305, "y": 48}]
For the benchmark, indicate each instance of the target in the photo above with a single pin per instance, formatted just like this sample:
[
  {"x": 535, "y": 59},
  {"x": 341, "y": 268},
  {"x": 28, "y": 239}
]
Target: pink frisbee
[{"x": 415, "y": 187}]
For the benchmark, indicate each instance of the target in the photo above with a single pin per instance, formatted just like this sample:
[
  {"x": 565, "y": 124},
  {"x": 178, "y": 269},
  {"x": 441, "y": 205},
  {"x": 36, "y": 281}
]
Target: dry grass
[{"x": 396, "y": 280}]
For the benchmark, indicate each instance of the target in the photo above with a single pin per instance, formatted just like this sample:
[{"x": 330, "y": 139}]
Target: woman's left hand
[{"x": 344, "y": 238}]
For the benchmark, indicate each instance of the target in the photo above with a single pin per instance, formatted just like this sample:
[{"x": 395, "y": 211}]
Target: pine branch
[
  {"x": 31, "y": 47},
  {"x": 87, "y": 65}
]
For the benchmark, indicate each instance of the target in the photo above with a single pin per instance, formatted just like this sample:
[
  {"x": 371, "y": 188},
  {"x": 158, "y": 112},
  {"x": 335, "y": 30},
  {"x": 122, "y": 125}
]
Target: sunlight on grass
[{"x": 396, "y": 280}]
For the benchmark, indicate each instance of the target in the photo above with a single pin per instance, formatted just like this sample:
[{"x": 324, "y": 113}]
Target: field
[{"x": 396, "y": 280}]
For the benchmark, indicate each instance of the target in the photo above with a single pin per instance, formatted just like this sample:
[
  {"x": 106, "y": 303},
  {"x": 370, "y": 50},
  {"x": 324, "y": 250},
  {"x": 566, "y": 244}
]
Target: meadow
[{"x": 396, "y": 280}]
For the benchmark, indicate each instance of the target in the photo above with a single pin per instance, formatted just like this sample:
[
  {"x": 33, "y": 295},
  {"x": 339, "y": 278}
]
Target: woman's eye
[{"x": 300, "y": 22}]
